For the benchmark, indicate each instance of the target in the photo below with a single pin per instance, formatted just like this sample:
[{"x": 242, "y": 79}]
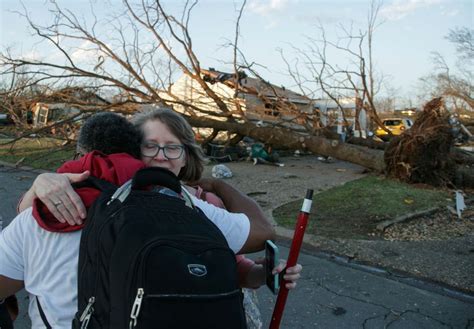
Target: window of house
[
  {"x": 43, "y": 116},
  {"x": 270, "y": 109}
]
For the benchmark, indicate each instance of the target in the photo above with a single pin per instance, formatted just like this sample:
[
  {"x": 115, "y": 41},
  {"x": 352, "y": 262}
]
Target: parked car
[{"x": 395, "y": 125}]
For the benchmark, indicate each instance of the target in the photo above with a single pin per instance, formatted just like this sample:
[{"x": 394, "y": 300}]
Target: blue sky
[{"x": 411, "y": 30}]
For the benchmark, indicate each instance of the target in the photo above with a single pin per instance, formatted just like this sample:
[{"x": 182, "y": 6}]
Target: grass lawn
[
  {"x": 354, "y": 209},
  {"x": 43, "y": 153}
]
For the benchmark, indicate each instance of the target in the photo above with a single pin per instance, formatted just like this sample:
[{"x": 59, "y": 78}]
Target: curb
[{"x": 310, "y": 245}]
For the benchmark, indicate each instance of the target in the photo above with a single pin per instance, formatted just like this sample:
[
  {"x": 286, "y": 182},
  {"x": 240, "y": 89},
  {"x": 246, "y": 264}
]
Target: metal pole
[{"x": 300, "y": 227}]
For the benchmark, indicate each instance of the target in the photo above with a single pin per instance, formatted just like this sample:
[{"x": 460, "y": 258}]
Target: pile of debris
[
  {"x": 443, "y": 225},
  {"x": 422, "y": 153}
]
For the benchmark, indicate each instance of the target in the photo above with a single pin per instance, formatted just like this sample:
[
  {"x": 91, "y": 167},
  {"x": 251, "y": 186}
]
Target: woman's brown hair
[{"x": 179, "y": 127}]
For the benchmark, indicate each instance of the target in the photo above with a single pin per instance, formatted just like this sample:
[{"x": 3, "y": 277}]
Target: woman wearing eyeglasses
[{"x": 168, "y": 142}]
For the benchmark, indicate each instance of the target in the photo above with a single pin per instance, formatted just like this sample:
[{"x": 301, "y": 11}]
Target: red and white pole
[{"x": 300, "y": 227}]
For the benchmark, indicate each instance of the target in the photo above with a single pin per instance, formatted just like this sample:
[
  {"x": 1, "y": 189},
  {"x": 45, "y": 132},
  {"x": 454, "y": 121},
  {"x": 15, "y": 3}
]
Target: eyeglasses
[{"x": 171, "y": 151}]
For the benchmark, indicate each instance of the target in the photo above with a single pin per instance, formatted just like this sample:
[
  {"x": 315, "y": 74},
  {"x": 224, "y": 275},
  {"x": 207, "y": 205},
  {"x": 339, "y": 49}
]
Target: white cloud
[
  {"x": 450, "y": 13},
  {"x": 84, "y": 52},
  {"x": 401, "y": 8},
  {"x": 271, "y": 25},
  {"x": 32, "y": 55},
  {"x": 271, "y": 10},
  {"x": 87, "y": 53},
  {"x": 268, "y": 7}
]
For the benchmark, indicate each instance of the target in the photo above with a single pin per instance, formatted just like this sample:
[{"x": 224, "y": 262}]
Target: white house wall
[{"x": 189, "y": 91}]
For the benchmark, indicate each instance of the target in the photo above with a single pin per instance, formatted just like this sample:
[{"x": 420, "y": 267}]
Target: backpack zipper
[
  {"x": 121, "y": 193},
  {"x": 135, "y": 312},
  {"x": 86, "y": 315},
  {"x": 89, "y": 310},
  {"x": 137, "y": 275},
  {"x": 196, "y": 296},
  {"x": 165, "y": 240},
  {"x": 136, "y": 308}
]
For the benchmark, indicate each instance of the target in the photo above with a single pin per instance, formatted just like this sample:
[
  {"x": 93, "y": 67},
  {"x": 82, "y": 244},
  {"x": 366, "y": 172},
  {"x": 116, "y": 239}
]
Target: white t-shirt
[
  {"x": 235, "y": 227},
  {"x": 47, "y": 261}
]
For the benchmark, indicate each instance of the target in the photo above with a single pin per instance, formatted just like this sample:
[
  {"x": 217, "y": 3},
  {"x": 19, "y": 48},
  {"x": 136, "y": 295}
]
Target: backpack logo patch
[{"x": 197, "y": 269}]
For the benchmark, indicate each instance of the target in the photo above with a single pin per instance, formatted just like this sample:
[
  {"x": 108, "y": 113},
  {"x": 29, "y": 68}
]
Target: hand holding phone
[{"x": 271, "y": 261}]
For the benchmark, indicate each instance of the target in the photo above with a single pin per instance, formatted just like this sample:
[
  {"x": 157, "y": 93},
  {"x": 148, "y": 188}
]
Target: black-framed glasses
[{"x": 170, "y": 151}]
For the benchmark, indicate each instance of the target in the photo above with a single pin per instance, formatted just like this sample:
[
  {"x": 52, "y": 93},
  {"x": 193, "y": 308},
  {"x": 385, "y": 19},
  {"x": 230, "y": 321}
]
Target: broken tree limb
[{"x": 382, "y": 226}]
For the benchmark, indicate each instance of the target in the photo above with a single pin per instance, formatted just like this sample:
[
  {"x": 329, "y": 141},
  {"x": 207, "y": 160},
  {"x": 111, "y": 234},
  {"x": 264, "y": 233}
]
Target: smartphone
[{"x": 271, "y": 261}]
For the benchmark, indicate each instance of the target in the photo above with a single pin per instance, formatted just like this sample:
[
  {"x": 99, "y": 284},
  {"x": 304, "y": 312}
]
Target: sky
[{"x": 409, "y": 32}]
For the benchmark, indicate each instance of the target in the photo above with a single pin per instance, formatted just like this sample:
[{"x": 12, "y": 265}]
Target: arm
[
  {"x": 244, "y": 267},
  {"x": 9, "y": 286},
  {"x": 260, "y": 227},
  {"x": 251, "y": 275},
  {"x": 11, "y": 255},
  {"x": 54, "y": 189}
]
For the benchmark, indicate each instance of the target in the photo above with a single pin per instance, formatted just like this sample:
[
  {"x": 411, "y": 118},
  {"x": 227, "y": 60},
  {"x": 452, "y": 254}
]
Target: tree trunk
[
  {"x": 367, "y": 142},
  {"x": 285, "y": 138}
]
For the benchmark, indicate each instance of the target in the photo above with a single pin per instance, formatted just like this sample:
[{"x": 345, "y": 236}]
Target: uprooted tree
[
  {"x": 425, "y": 153},
  {"x": 422, "y": 153}
]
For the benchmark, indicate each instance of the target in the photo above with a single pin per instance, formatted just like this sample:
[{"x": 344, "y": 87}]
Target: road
[{"x": 330, "y": 294}]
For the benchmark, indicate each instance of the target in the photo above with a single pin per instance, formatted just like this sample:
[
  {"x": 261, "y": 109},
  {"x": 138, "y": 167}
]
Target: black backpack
[{"x": 147, "y": 260}]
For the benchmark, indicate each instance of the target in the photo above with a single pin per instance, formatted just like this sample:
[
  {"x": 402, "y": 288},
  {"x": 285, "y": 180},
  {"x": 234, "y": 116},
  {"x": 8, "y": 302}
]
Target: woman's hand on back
[
  {"x": 207, "y": 184},
  {"x": 56, "y": 192}
]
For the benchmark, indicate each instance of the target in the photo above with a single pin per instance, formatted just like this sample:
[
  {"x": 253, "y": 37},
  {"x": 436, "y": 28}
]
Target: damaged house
[
  {"x": 64, "y": 104},
  {"x": 257, "y": 100},
  {"x": 340, "y": 115}
]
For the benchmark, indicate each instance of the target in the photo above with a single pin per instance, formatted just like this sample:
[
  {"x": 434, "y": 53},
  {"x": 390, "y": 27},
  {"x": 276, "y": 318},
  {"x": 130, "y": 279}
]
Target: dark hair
[
  {"x": 109, "y": 133},
  {"x": 179, "y": 127}
]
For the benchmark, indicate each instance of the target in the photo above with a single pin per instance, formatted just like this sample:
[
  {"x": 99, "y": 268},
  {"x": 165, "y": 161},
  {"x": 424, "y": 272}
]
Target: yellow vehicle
[{"x": 395, "y": 125}]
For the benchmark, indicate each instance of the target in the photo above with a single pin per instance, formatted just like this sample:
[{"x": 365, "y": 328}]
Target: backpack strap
[
  {"x": 42, "y": 315},
  {"x": 187, "y": 197},
  {"x": 95, "y": 182},
  {"x": 156, "y": 176},
  {"x": 151, "y": 176}
]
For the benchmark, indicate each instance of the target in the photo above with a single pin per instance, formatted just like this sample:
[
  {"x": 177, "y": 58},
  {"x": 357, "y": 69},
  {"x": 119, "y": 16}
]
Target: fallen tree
[{"x": 285, "y": 138}]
